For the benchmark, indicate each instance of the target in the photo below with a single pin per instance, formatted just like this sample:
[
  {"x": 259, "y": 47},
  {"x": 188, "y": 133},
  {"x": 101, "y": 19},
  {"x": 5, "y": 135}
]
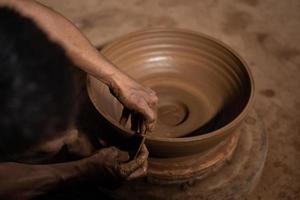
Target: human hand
[
  {"x": 112, "y": 165},
  {"x": 140, "y": 102}
]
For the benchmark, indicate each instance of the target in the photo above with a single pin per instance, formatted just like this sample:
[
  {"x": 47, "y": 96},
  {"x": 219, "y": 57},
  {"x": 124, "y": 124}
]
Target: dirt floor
[{"x": 265, "y": 33}]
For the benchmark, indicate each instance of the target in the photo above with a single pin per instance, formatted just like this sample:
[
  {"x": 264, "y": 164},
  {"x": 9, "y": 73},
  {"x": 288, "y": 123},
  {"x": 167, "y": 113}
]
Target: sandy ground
[{"x": 266, "y": 33}]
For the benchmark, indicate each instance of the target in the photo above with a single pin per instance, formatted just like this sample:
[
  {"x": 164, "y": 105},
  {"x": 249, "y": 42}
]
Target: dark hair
[{"x": 36, "y": 84}]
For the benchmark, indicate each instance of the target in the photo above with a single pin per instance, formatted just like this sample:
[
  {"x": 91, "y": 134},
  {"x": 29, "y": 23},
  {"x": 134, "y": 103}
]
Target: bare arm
[
  {"x": 62, "y": 31},
  {"x": 131, "y": 94},
  {"x": 24, "y": 181}
]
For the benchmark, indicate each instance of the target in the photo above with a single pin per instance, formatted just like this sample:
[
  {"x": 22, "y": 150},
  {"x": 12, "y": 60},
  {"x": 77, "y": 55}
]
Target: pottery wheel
[{"x": 234, "y": 180}]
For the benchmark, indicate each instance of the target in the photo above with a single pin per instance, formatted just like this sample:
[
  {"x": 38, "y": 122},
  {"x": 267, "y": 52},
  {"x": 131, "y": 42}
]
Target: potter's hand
[
  {"x": 140, "y": 102},
  {"x": 25, "y": 181},
  {"x": 111, "y": 164}
]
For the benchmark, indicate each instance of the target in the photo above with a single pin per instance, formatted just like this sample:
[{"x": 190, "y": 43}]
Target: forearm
[
  {"x": 132, "y": 95},
  {"x": 22, "y": 181},
  {"x": 61, "y": 30}
]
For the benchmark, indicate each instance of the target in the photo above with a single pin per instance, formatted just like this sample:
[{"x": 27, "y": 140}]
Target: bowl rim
[{"x": 205, "y": 136}]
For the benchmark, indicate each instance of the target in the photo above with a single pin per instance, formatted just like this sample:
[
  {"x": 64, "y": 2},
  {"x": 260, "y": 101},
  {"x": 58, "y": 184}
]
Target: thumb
[{"x": 123, "y": 156}]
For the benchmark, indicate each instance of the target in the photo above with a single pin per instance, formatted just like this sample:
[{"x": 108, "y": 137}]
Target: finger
[
  {"x": 140, "y": 172},
  {"x": 153, "y": 99},
  {"x": 148, "y": 113},
  {"x": 108, "y": 151},
  {"x": 150, "y": 126},
  {"x": 124, "y": 116},
  {"x": 150, "y": 91},
  {"x": 130, "y": 167},
  {"x": 144, "y": 153},
  {"x": 142, "y": 126},
  {"x": 123, "y": 156}
]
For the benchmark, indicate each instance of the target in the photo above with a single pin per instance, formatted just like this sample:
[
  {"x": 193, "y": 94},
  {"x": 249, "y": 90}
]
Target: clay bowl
[{"x": 204, "y": 88}]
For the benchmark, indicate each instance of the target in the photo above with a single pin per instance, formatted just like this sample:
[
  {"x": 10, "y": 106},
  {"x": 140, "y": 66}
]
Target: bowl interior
[{"x": 201, "y": 85}]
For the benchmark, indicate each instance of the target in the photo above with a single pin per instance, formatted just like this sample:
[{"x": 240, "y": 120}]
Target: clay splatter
[{"x": 267, "y": 93}]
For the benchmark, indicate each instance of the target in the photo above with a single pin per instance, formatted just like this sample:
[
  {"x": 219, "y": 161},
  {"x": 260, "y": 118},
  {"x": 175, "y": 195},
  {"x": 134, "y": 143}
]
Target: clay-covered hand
[
  {"x": 110, "y": 165},
  {"x": 140, "y": 102}
]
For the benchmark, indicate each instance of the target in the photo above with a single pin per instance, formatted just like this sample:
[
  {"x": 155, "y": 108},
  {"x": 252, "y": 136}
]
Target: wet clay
[{"x": 204, "y": 89}]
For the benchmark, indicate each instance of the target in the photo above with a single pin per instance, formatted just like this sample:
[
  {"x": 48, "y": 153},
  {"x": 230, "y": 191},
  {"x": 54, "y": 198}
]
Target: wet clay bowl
[{"x": 204, "y": 88}]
